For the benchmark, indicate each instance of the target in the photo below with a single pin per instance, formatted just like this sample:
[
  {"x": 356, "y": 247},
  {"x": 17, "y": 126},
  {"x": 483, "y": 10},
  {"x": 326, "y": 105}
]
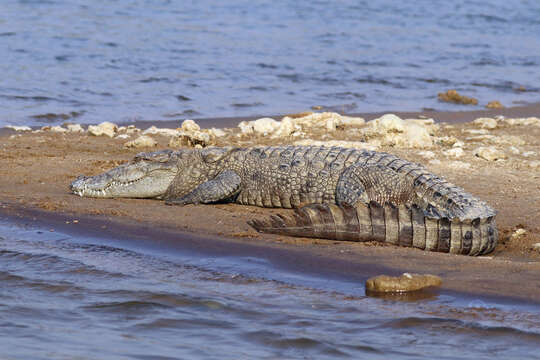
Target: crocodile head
[{"x": 148, "y": 175}]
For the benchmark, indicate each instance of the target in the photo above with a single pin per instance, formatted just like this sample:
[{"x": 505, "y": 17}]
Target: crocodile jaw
[{"x": 130, "y": 180}]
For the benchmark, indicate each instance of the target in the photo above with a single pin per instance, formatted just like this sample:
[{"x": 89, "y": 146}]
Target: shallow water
[
  {"x": 90, "y": 61},
  {"x": 66, "y": 297}
]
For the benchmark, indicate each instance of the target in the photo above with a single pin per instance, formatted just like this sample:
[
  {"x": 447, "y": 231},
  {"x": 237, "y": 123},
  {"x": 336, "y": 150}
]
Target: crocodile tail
[{"x": 398, "y": 225}]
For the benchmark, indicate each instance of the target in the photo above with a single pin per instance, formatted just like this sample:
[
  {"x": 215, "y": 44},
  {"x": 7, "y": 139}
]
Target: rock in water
[
  {"x": 399, "y": 284},
  {"x": 454, "y": 97},
  {"x": 494, "y": 105}
]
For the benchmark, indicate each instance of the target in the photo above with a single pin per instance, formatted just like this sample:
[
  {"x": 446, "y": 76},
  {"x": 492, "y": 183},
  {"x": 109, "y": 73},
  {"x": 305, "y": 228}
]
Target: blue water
[
  {"x": 90, "y": 61},
  {"x": 66, "y": 297}
]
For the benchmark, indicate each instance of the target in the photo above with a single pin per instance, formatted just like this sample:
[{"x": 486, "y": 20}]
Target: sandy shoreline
[
  {"x": 37, "y": 168},
  {"x": 329, "y": 261}
]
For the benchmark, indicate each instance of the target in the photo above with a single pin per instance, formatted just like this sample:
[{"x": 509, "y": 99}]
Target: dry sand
[{"x": 36, "y": 169}]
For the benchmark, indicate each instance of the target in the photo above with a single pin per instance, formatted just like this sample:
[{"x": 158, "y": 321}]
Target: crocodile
[{"x": 337, "y": 193}]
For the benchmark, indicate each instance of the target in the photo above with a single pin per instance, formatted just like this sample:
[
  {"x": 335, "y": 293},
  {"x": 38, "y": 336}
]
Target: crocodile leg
[{"x": 222, "y": 187}]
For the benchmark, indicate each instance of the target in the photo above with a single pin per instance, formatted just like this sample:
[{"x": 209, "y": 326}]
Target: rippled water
[
  {"x": 90, "y": 61},
  {"x": 65, "y": 297}
]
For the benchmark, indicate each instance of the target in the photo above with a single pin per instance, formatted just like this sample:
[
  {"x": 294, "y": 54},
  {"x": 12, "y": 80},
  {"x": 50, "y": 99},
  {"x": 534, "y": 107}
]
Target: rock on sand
[
  {"x": 105, "y": 128},
  {"x": 141, "y": 141},
  {"x": 489, "y": 153}
]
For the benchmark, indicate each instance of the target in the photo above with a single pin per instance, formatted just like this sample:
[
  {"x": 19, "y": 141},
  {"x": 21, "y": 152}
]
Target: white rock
[
  {"x": 534, "y": 164},
  {"x": 393, "y": 131},
  {"x": 294, "y": 126},
  {"x": 456, "y": 152},
  {"x": 484, "y": 138},
  {"x": 190, "y": 125},
  {"x": 199, "y": 138},
  {"x": 387, "y": 123},
  {"x": 319, "y": 120},
  {"x": 435, "y": 162},
  {"x": 519, "y": 232},
  {"x": 331, "y": 124},
  {"x": 413, "y": 136},
  {"x": 529, "y": 153},
  {"x": 427, "y": 154},
  {"x": 417, "y": 136},
  {"x": 141, "y": 141},
  {"x": 19, "y": 128},
  {"x": 514, "y": 150},
  {"x": 287, "y": 127},
  {"x": 131, "y": 129},
  {"x": 196, "y": 139},
  {"x": 447, "y": 140},
  {"x": 476, "y": 131},
  {"x": 57, "y": 129},
  {"x": 489, "y": 153},
  {"x": 341, "y": 143},
  {"x": 105, "y": 128},
  {"x": 352, "y": 121},
  {"x": 245, "y": 127},
  {"x": 122, "y": 136},
  {"x": 486, "y": 123},
  {"x": 263, "y": 126},
  {"x": 532, "y": 121},
  {"x": 536, "y": 247},
  {"x": 74, "y": 128},
  {"x": 153, "y": 130},
  {"x": 216, "y": 132}
]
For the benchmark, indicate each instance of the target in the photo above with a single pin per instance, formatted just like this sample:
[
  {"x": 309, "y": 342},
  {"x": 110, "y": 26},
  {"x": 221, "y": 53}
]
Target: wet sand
[{"x": 36, "y": 169}]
